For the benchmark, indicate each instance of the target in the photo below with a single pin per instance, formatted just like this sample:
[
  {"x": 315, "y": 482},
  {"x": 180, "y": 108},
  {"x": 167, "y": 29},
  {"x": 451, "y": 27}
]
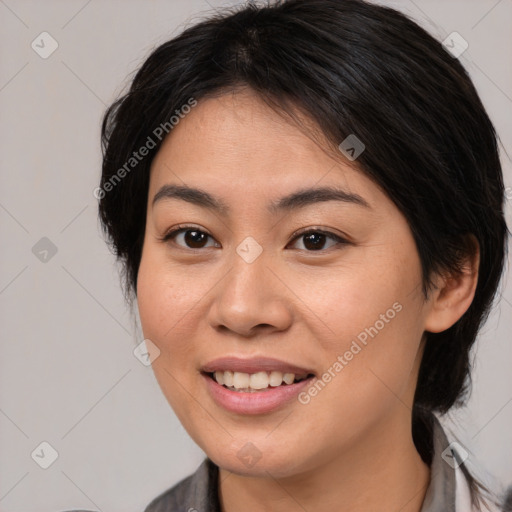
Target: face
[{"x": 323, "y": 286}]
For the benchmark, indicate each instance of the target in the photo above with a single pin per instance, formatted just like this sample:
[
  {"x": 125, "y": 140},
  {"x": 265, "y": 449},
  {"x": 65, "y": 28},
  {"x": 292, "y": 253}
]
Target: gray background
[{"x": 68, "y": 375}]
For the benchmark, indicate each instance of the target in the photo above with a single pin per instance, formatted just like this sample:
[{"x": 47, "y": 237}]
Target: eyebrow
[{"x": 299, "y": 199}]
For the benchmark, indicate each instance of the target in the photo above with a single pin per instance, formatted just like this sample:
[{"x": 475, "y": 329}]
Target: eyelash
[{"x": 179, "y": 229}]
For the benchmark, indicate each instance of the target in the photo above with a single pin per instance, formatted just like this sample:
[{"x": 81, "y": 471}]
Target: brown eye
[
  {"x": 195, "y": 239},
  {"x": 316, "y": 240},
  {"x": 189, "y": 238}
]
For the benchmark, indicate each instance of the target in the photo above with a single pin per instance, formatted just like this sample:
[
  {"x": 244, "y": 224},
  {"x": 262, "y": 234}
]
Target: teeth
[
  {"x": 228, "y": 378},
  {"x": 260, "y": 380},
  {"x": 289, "y": 377},
  {"x": 275, "y": 379},
  {"x": 240, "y": 380}
]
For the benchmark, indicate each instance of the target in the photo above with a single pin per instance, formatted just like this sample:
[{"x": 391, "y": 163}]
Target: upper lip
[{"x": 253, "y": 365}]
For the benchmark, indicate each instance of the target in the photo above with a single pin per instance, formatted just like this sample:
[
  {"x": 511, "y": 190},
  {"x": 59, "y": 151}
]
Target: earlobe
[{"x": 453, "y": 293}]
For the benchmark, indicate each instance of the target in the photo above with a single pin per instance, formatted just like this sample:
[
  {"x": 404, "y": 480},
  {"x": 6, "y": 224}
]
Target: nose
[{"x": 251, "y": 299}]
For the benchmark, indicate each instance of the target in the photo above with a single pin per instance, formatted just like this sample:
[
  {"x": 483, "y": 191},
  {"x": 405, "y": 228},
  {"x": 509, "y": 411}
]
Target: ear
[{"x": 453, "y": 293}]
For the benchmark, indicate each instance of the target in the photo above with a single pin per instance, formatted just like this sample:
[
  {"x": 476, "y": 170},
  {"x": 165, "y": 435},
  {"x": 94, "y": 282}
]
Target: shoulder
[{"x": 195, "y": 492}]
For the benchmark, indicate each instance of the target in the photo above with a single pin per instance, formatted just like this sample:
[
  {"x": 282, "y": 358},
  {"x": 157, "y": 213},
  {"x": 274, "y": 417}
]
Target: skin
[{"x": 350, "y": 447}]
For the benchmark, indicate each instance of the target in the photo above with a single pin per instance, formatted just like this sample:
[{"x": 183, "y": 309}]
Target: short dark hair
[{"x": 353, "y": 68}]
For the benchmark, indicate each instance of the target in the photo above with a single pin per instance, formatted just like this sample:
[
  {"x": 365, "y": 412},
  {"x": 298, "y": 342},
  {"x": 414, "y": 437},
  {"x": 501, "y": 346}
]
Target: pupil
[
  {"x": 195, "y": 240},
  {"x": 316, "y": 239}
]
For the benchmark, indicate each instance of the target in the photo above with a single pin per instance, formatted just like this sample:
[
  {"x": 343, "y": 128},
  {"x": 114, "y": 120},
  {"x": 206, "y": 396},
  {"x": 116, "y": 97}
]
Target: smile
[
  {"x": 253, "y": 382},
  {"x": 249, "y": 401}
]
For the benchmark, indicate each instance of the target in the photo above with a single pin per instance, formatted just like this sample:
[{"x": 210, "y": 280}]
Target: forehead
[{"x": 238, "y": 147}]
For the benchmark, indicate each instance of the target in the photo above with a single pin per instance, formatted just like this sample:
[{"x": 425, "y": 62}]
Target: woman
[{"x": 307, "y": 201}]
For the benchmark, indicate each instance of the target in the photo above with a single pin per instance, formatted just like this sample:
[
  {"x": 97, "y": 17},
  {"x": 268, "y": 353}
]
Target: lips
[
  {"x": 257, "y": 385},
  {"x": 254, "y": 365},
  {"x": 249, "y": 402}
]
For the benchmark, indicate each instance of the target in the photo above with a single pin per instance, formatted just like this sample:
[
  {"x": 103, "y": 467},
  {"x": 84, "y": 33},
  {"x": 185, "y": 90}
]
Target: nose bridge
[
  {"x": 249, "y": 276},
  {"x": 250, "y": 295}
]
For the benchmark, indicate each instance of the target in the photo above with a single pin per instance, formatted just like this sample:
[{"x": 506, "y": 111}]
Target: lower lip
[{"x": 258, "y": 402}]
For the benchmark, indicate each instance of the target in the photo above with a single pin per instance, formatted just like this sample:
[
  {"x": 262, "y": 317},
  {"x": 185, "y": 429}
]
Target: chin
[{"x": 246, "y": 459}]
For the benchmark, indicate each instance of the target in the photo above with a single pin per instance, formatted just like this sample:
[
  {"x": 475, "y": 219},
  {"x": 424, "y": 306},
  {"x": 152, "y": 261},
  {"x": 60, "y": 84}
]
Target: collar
[{"x": 440, "y": 493}]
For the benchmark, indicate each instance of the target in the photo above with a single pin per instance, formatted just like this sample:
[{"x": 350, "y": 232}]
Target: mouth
[
  {"x": 260, "y": 381},
  {"x": 256, "y": 385}
]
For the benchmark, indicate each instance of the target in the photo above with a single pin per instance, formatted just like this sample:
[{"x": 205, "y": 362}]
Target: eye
[
  {"x": 190, "y": 237},
  {"x": 314, "y": 240}
]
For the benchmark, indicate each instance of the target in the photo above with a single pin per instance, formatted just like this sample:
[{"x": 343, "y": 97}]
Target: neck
[{"x": 382, "y": 471}]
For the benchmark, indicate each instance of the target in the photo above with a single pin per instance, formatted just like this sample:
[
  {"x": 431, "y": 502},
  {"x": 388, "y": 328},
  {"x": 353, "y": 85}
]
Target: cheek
[
  {"x": 373, "y": 311},
  {"x": 165, "y": 299},
  {"x": 365, "y": 294}
]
